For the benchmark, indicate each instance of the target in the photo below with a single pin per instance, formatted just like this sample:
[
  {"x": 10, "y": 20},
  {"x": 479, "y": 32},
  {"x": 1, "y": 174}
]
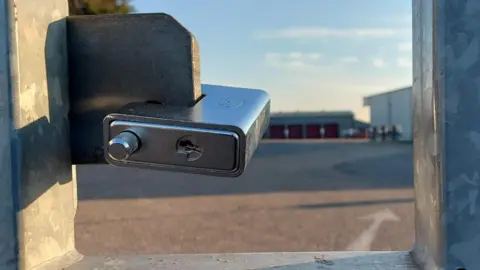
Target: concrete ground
[{"x": 295, "y": 196}]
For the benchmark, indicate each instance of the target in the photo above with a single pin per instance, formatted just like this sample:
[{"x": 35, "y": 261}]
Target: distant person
[
  {"x": 394, "y": 133},
  {"x": 373, "y": 134},
  {"x": 322, "y": 132},
  {"x": 383, "y": 133},
  {"x": 388, "y": 133},
  {"x": 286, "y": 132}
]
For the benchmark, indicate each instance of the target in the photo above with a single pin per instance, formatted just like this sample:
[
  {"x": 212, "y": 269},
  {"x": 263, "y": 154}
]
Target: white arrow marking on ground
[{"x": 365, "y": 240}]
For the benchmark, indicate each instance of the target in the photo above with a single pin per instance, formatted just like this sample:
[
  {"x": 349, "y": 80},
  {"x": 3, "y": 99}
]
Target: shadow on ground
[
  {"x": 277, "y": 149},
  {"x": 276, "y": 167},
  {"x": 353, "y": 204}
]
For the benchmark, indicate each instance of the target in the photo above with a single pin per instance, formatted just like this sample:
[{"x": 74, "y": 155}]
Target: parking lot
[{"x": 295, "y": 196}]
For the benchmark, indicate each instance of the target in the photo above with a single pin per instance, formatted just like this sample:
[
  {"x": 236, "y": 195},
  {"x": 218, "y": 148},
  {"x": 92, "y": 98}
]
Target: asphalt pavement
[{"x": 294, "y": 196}]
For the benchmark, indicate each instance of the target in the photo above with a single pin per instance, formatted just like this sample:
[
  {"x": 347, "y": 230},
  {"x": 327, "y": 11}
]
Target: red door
[
  {"x": 277, "y": 132},
  {"x": 331, "y": 130},
  {"x": 295, "y": 131},
  {"x": 313, "y": 131},
  {"x": 362, "y": 133}
]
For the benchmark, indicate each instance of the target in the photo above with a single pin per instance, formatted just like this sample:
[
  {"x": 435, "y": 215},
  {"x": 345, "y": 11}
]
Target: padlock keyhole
[
  {"x": 185, "y": 143},
  {"x": 187, "y": 147}
]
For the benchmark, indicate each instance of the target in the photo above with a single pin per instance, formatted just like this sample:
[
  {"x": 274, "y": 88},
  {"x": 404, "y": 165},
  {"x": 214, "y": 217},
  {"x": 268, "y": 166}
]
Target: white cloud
[
  {"x": 379, "y": 63},
  {"x": 404, "y": 62},
  {"x": 295, "y": 55},
  {"x": 405, "y": 46},
  {"x": 399, "y": 19},
  {"x": 301, "y": 56},
  {"x": 323, "y": 32},
  {"x": 349, "y": 59},
  {"x": 314, "y": 56},
  {"x": 293, "y": 60}
]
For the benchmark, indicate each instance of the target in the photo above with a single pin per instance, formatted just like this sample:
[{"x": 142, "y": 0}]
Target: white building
[{"x": 392, "y": 108}]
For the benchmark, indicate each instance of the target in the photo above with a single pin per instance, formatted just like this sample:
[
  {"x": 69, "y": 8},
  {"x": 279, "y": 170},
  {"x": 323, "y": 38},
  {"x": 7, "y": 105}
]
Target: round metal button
[{"x": 122, "y": 146}]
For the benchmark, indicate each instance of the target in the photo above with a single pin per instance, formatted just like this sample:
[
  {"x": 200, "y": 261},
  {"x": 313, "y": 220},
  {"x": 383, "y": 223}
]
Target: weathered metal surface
[
  {"x": 260, "y": 261},
  {"x": 8, "y": 239},
  {"x": 118, "y": 59},
  {"x": 36, "y": 184},
  {"x": 446, "y": 96}
]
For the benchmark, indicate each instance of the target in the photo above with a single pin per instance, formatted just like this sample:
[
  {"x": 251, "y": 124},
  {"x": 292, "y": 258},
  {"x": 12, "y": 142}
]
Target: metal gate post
[
  {"x": 37, "y": 190},
  {"x": 446, "y": 96}
]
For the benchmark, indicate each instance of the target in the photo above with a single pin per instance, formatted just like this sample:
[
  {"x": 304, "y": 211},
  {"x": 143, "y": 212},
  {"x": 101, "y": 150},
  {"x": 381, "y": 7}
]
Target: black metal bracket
[{"x": 115, "y": 60}]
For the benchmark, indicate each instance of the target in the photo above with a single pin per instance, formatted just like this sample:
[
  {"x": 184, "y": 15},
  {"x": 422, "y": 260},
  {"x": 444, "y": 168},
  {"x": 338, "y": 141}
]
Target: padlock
[{"x": 216, "y": 136}]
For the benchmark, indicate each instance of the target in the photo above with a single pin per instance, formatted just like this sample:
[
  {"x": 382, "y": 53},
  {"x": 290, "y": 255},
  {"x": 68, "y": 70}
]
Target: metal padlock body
[{"x": 227, "y": 125}]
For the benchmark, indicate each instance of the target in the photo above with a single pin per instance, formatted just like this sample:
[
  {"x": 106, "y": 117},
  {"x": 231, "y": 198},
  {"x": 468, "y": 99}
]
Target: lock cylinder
[{"x": 122, "y": 146}]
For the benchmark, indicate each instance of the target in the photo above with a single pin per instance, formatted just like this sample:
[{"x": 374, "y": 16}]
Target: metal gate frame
[{"x": 38, "y": 183}]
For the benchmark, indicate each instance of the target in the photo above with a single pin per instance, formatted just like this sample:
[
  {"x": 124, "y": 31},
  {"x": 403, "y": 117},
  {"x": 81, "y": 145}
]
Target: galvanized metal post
[
  {"x": 37, "y": 190},
  {"x": 446, "y": 96}
]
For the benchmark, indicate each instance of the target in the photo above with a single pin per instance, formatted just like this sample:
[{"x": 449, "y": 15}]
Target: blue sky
[{"x": 308, "y": 54}]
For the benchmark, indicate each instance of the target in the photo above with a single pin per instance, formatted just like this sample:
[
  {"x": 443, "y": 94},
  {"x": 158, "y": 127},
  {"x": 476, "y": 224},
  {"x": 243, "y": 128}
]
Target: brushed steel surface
[
  {"x": 223, "y": 113},
  {"x": 162, "y": 146}
]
